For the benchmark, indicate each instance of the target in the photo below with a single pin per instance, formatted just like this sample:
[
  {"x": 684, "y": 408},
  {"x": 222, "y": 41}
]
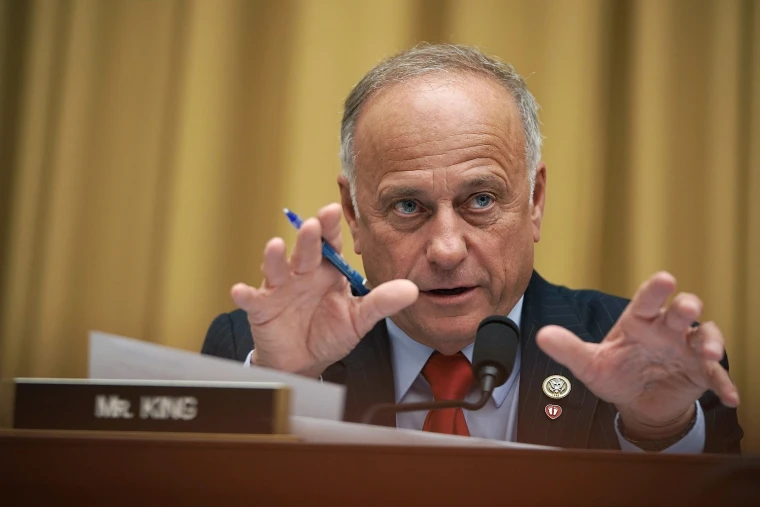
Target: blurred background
[{"x": 147, "y": 148}]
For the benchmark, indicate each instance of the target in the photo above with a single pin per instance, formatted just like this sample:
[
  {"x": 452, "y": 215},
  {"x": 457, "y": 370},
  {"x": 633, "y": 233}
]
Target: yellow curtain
[{"x": 147, "y": 149}]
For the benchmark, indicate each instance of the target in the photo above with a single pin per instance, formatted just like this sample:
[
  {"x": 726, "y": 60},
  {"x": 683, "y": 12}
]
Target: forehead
[{"x": 438, "y": 121}]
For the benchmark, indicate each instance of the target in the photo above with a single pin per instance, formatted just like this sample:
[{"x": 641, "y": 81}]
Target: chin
[{"x": 441, "y": 332}]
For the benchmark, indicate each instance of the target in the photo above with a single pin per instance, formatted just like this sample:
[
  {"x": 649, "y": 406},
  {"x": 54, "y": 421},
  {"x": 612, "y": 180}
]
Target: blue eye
[
  {"x": 407, "y": 206},
  {"x": 482, "y": 200}
]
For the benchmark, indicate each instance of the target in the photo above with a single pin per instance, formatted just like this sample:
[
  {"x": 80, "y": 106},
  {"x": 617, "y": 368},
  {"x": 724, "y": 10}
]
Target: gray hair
[{"x": 439, "y": 58}]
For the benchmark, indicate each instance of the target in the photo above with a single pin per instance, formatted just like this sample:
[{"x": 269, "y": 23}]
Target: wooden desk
[{"x": 69, "y": 468}]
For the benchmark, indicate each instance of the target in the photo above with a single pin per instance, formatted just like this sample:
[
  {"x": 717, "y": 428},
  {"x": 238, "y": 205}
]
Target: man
[{"x": 443, "y": 190}]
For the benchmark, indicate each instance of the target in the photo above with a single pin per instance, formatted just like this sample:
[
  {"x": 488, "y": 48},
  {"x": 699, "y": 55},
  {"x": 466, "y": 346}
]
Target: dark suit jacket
[{"x": 586, "y": 421}]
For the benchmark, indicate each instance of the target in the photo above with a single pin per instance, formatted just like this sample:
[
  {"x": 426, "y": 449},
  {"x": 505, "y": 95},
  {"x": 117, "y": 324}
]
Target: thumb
[
  {"x": 566, "y": 348},
  {"x": 383, "y": 301}
]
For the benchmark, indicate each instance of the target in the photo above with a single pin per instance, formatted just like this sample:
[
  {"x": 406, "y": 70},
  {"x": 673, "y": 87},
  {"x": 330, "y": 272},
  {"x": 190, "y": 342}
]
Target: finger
[
  {"x": 652, "y": 295},
  {"x": 707, "y": 340},
  {"x": 566, "y": 348},
  {"x": 385, "y": 300},
  {"x": 307, "y": 254},
  {"x": 245, "y": 297},
  {"x": 683, "y": 312},
  {"x": 720, "y": 384},
  {"x": 329, "y": 216},
  {"x": 275, "y": 265}
]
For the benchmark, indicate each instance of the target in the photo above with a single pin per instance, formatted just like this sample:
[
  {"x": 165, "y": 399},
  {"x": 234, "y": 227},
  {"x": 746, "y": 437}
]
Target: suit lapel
[
  {"x": 544, "y": 305},
  {"x": 368, "y": 376}
]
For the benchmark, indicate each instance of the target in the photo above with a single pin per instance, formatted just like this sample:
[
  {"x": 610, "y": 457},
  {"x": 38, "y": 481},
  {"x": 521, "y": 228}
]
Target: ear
[
  {"x": 349, "y": 212},
  {"x": 539, "y": 197}
]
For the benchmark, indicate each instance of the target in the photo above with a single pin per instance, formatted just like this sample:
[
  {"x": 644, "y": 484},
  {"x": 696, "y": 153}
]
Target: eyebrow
[
  {"x": 400, "y": 192},
  {"x": 482, "y": 181},
  {"x": 409, "y": 192}
]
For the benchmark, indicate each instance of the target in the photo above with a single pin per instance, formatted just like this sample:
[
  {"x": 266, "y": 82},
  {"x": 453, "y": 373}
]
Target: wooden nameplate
[{"x": 259, "y": 408}]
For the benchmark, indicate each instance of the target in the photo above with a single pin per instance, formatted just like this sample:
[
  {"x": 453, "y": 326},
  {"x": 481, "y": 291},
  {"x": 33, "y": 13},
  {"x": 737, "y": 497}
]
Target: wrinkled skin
[{"x": 444, "y": 201}]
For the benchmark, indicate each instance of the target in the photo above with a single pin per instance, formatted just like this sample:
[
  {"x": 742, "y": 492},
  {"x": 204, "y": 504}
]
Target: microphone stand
[{"x": 488, "y": 378}]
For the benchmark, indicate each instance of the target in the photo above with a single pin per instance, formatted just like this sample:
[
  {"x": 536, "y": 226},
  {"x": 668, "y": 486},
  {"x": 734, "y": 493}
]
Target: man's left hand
[{"x": 653, "y": 364}]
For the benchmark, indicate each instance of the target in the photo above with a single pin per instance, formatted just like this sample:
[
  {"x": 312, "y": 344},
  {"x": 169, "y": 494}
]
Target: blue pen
[{"x": 357, "y": 281}]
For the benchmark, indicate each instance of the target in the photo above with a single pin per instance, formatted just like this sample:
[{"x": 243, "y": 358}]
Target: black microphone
[
  {"x": 495, "y": 351},
  {"x": 493, "y": 358}
]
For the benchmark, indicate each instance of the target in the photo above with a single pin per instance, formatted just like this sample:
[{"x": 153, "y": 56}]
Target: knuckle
[
  {"x": 714, "y": 370},
  {"x": 695, "y": 300},
  {"x": 665, "y": 276},
  {"x": 371, "y": 311},
  {"x": 712, "y": 330},
  {"x": 685, "y": 300}
]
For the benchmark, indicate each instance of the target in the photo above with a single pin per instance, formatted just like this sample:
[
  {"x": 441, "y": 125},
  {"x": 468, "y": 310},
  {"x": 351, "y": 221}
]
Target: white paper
[
  {"x": 332, "y": 432},
  {"x": 316, "y": 408},
  {"x": 117, "y": 357}
]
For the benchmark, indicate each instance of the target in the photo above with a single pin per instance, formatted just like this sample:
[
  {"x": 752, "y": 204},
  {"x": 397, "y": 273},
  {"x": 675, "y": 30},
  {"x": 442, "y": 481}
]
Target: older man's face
[{"x": 444, "y": 201}]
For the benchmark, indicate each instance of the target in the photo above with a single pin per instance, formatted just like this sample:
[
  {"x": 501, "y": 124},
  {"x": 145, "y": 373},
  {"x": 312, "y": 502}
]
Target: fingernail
[{"x": 715, "y": 349}]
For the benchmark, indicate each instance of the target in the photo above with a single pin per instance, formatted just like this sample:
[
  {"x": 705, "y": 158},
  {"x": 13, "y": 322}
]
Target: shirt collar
[{"x": 409, "y": 357}]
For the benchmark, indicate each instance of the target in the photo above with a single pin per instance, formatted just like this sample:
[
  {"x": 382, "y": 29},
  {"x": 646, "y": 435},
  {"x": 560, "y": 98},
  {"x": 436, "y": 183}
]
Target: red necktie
[{"x": 450, "y": 378}]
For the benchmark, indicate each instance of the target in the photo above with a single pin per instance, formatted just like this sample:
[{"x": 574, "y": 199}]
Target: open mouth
[{"x": 450, "y": 292}]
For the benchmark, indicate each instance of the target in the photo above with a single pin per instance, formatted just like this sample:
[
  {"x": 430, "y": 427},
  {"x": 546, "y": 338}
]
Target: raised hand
[
  {"x": 653, "y": 364},
  {"x": 303, "y": 317}
]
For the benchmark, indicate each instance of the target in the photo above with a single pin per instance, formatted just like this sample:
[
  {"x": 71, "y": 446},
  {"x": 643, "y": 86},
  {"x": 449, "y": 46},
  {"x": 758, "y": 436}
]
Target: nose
[{"x": 447, "y": 247}]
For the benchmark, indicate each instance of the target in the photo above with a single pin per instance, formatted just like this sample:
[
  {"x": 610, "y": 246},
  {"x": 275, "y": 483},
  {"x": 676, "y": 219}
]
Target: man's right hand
[{"x": 303, "y": 317}]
